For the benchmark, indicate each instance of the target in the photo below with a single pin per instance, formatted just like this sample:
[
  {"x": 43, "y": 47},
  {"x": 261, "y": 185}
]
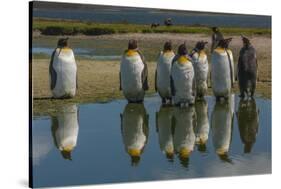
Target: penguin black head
[
  {"x": 62, "y": 42},
  {"x": 66, "y": 154},
  {"x": 182, "y": 50},
  {"x": 168, "y": 46},
  {"x": 200, "y": 45},
  {"x": 224, "y": 43},
  {"x": 133, "y": 44},
  {"x": 215, "y": 29},
  {"x": 246, "y": 41},
  {"x": 135, "y": 160}
]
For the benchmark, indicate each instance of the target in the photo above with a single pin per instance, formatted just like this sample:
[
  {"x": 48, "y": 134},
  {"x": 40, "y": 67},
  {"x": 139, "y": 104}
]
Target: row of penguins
[
  {"x": 181, "y": 77},
  {"x": 180, "y": 130}
]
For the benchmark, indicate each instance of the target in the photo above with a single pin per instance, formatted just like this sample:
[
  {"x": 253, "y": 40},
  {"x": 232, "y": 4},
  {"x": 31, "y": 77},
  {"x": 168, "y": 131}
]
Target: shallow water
[{"x": 101, "y": 138}]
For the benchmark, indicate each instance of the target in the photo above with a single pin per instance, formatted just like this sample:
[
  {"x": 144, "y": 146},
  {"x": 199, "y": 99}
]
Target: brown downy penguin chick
[{"x": 247, "y": 68}]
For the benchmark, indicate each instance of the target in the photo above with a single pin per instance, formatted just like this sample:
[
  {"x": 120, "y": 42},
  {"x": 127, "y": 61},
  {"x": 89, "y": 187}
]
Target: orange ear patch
[{"x": 131, "y": 53}]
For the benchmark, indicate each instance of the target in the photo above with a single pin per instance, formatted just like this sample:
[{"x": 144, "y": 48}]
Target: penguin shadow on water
[
  {"x": 248, "y": 123},
  {"x": 134, "y": 130},
  {"x": 65, "y": 129},
  {"x": 165, "y": 130},
  {"x": 202, "y": 125},
  {"x": 183, "y": 133},
  {"x": 221, "y": 127}
]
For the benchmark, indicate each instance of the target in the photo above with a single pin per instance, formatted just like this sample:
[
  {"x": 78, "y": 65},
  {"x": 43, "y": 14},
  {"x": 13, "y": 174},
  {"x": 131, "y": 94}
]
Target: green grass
[{"x": 71, "y": 27}]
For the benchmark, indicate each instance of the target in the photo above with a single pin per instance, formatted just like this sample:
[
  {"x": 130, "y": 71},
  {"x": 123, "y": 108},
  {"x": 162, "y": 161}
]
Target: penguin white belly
[
  {"x": 131, "y": 77},
  {"x": 221, "y": 77},
  {"x": 222, "y": 118},
  {"x": 67, "y": 132},
  {"x": 164, "y": 125},
  {"x": 183, "y": 75},
  {"x": 133, "y": 135},
  {"x": 163, "y": 74},
  {"x": 201, "y": 69},
  {"x": 202, "y": 127},
  {"x": 65, "y": 67},
  {"x": 184, "y": 137}
]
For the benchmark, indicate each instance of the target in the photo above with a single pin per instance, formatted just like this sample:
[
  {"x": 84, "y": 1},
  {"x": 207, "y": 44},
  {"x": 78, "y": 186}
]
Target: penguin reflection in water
[
  {"x": 134, "y": 128},
  {"x": 248, "y": 122},
  {"x": 247, "y": 69},
  {"x": 222, "y": 72},
  {"x": 63, "y": 71},
  {"x": 133, "y": 74},
  {"x": 201, "y": 69},
  {"x": 184, "y": 137},
  {"x": 221, "y": 125},
  {"x": 65, "y": 129},
  {"x": 202, "y": 124},
  {"x": 164, "y": 128},
  {"x": 182, "y": 78},
  {"x": 163, "y": 73}
]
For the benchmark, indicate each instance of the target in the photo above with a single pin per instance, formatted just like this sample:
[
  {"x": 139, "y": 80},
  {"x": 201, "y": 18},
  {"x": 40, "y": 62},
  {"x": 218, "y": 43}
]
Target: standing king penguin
[
  {"x": 133, "y": 74},
  {"x": 182, "y": 78},
  {"x": 247, "y": 68},
  {"x": 222, "y": 69},
  {"x": 163, "y": 73},
  {"x": 201, "y": 68},
  {"x": 63, "y": 71}
]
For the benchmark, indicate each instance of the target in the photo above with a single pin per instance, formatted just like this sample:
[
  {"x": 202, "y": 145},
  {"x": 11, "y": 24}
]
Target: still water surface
[{"x": 100, "y": 143}]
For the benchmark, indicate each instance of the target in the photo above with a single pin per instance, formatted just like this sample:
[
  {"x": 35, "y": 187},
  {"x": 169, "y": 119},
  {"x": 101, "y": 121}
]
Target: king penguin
[
  {"x": 164, "y": 128},
  {"x": 63, "y": 71},
  {"x": 247, "y": 68},
  {"x": 163, "y": 73},
  {"x": 182, "y": 78},
  {"x": 184, "y": 137},
  {"x": 221, "y": 126},
  {"x": 201, "y": 68},
  {"x": 134, "y": 129},
  {"x": 133, "y": 74},
  {"x": 202, "y": 124},
  {"x": 222, "y": 72},
  {"x": 65, "y": 128},
  {"x": 248, "y": 123}
]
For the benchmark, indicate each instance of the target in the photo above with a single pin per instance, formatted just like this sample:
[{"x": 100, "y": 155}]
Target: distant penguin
[
  {"x": 133, "y": 74},
  {"x": 221, "y": 125},
  {"x": 182, "y": 78},
  {"x": 222, "y": 72},
  {"x": 247, "y": 68},
  {"x": 248, "y": 123},
  {"x": 164, "y": 125},
  {"x": 216, "y": 37},
  {"x": 202, "y": 124},
  {"x": 201, "y": 68},
  {"x": 65, "y": 128},
  {"x": 63, "y": 71},
  {"x": 134, "y": 128},
  {"x": 163, "y": 73},
  {"x": 184, "y": 137}
]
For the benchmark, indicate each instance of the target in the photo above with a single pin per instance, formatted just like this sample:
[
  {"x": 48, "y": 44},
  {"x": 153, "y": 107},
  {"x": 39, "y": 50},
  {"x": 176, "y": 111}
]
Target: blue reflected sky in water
[{"x": 100, "y": 155}]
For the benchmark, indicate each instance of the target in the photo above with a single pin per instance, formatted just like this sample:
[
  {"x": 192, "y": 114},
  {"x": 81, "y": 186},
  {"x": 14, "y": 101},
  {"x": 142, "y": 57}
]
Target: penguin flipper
[
  {"x": 144, "y": 73},
  {"x": 173, "y": 90},
  {"x": 155, "y": 80},
  {"x": 120, "y": 87},
  {"x": 52, "y": 71}
]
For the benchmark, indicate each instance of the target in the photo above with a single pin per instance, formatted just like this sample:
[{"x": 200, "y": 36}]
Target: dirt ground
[{"x": 98, "y": 81}]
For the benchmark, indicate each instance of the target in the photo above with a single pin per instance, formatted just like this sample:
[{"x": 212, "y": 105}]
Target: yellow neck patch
[
  {"x": 131, "y": 52},
  {"x": 134, "y": 152},
  {"x": 65, "y": 49},
  {"x": 183, "y": 60},
  {"x": 184, "y": 153},
  {"x": 220, "y": 50},
  {"x": 68, "y": 148}
]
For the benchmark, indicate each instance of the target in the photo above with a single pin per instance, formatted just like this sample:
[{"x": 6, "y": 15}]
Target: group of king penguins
[{"x": 180, "y": 79}]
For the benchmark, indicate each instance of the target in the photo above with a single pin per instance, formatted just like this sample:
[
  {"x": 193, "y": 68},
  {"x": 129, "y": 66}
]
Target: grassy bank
[{"x": 71, "y": 27}]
